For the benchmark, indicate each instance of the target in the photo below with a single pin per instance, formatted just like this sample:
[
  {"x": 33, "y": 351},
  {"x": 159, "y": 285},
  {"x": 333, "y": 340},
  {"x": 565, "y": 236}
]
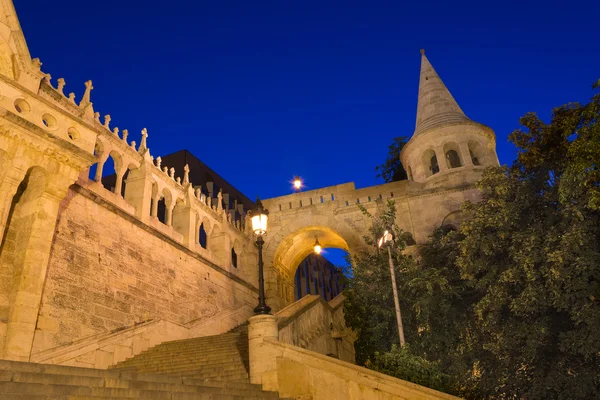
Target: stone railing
[
  {"x": 279, "y": 365},
  {"x": 312, "y": 323},
  {"x": 106, "y": 349}
]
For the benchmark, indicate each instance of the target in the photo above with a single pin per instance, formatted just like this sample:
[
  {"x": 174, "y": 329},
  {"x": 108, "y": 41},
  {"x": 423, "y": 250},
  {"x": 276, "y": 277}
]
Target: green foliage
[
  {"x": 392, "y": 170},
  {"x": 401, "y": 363},
  {"x": 510, "y": 306},
  {"x": 369, "y": 305}
]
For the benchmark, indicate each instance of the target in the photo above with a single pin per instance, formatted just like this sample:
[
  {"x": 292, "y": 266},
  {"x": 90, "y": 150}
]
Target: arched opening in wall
[
  {"x": 203, "y": 237},
  {"x": 325, "y": 274},
  {"x": 234, "y": 258},
  {"x": 98, "y": 151},
  {"x": 430, "y": 162},
  {"x": 451, "y": 151},
  {"x": 477, "y": 152},
  {"x": 164, "y": 205},
  {"x": 22, "y": 215},
  {"x": 301, "y": 271},
  {"x": 109, "y": 172}
]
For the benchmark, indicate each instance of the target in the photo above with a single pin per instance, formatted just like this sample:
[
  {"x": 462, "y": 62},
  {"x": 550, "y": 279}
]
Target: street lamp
[
  {"x": 259, "y": 217},
  {"x": 318, "y": 247},
  {"x": 387, "y": 239}
]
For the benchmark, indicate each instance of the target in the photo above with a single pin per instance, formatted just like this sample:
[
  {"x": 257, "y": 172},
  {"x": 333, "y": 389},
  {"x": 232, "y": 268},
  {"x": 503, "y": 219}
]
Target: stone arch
[
  {"x": 95, "y": 172},
  {"x": 24, "y": 207},
  {"x": 5, "y": 162},
  {"x": 451, "y": 222},
  {"x": 452, "y": 155},
  {"x": 113, "y": 162},
  {"x": 477, "y": 152},
  {"x": 165, "y": 206},
  {"x": 430, "y": 162}
]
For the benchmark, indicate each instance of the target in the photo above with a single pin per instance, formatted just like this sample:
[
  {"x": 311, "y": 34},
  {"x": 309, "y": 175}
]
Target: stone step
[
  {"x": 191, "y": 354},
  {"x": 19, "y": 381},
  {"x": 156, "y": 363},
  {"x": 161, "y": 350},
  {"x": 185, "y": 369}
]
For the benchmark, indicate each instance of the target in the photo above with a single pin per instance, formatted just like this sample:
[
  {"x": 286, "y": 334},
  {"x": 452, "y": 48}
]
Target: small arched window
[
  {"x": 233, "y": 258},
  {"x": 203, "y": 238},
  {"x": 433, "y": 165},
  {"x": 453, "y": 158},
  {"x": 474, "y": 158}
]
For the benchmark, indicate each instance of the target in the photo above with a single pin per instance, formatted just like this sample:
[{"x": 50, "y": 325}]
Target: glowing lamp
[
  {"x": 387, "y": 237},
  {"x": 318, "y": 247},
  {"x": 259, "y": 217}
]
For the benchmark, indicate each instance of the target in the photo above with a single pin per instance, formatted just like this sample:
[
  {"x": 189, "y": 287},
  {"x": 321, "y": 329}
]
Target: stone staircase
[
  {"x": 214, "y": 367},
  {"x": 220, "y": 357}
]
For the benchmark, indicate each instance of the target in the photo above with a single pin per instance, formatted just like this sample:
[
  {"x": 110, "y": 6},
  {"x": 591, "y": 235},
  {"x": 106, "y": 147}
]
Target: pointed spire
[{"x": 436, "y": 106}]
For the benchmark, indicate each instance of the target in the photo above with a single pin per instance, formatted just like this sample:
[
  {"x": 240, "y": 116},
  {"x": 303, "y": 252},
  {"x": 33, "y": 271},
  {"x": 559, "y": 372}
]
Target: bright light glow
[
  {"x": 317, "y": 246},
  {"x": 387, "y": 237},
  {"x": 259, "y": 224},
  {"x": 297, "y": 183}
]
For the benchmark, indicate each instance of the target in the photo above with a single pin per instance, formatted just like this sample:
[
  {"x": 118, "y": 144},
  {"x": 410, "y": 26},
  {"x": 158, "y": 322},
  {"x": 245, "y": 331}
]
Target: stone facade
[{"x": 89, "y": 276}]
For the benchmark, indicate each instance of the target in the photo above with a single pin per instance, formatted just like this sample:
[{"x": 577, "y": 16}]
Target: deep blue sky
[{"x": 263, "y": 90}]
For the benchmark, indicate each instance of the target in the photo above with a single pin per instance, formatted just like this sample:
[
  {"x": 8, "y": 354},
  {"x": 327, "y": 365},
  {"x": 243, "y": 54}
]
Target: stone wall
[{"x": 108, "y": 271}]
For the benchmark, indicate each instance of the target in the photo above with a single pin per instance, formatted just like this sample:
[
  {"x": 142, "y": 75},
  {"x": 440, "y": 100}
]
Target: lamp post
[
  {"x": 387, "y": 239},
  {"x": 259, "y": 217},
  {"x": 297, "y": 183}
]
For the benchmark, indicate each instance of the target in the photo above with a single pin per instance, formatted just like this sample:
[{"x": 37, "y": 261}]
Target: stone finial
[
  {"x": 209, "y": 201},
  {"x": 85, "y": 100},
  {"x": 61, "y": 85},
  {"x": 143, "y": 145},
  {"x": 72, "y": 97},
  {"x": 97, "y": 117},
  {"x": 125, "y": 135},
  {"x": 116, "y": 131},
  {"x": 107, "y": 121},
  {"x": 48, "y": 78},
  {"x": 220, "y": 200},
  {"x": 133, "y": 144},
  {"x": 197, "y": 193},
  {"x": 158, "y": 161},
  {"x": 186, "y": 174},
  {"x": 166, "y": 170},
  {"x": 422, "y": 52},
  {"x": 37, "y": 64},
  {"x": 178, "y": 180},
  {"x": 172, "y": 173}
]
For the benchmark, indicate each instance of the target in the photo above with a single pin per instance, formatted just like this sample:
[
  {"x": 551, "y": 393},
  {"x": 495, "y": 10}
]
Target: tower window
[
  {"x": 474, "y": 158},
  {"x": 453, "y": 159},
  {"x": 233, "y": 258},
  {"x": 433, "y": 165}
]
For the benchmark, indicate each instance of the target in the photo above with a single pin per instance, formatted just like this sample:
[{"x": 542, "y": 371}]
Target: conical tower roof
[{"x": 436, "y": 105}]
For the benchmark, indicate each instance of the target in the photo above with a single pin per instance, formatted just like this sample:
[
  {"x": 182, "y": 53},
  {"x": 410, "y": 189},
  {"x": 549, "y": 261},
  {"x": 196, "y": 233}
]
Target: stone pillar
[
  {"x": 139, "y": 191},
  {"x": 184, "y": 222},
  {"x": 262, "y": 359},
  {"x": 441, "y": 157},
  {"x": 465, "y": 154},
  {"x": 119, "y": 182},
  {"x": 220, "y": 245},
  {"x": 29, "y": 263}
]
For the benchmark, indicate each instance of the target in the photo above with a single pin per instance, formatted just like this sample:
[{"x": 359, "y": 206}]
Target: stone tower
[{"x": 447, "y": 148}]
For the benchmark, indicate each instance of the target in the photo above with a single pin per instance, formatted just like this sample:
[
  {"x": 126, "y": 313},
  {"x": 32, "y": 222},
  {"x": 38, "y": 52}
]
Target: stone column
[
  {"x": 465, "y": 154},
  {"x": 184, "y": 222},
  {"x": 441, "y": 157},
  {"x": 30, "y": 262},
  {"x": 139, "y": 191},
  {"x": 262, "y": 358}
]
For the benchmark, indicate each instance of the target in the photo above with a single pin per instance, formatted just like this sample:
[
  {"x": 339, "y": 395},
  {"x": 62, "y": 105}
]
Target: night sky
[{"x": 264, "y": 90}]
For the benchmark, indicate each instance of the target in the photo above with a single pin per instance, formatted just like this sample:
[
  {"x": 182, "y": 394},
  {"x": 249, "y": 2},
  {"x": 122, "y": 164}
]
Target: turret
[{"x": 446, "y": 148}]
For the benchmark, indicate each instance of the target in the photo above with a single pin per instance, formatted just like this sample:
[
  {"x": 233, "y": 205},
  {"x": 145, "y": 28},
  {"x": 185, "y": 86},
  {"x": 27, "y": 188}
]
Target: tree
[
  {"x": 509, "y": 307},
  {"x": 369, "y": 305},
  {"x": 531, "y": 252},
  {"x": 392, "y": 170}
]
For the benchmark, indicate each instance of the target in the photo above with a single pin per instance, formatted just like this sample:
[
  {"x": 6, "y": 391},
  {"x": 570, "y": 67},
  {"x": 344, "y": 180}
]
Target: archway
[{"x": 290, "y": 253}]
